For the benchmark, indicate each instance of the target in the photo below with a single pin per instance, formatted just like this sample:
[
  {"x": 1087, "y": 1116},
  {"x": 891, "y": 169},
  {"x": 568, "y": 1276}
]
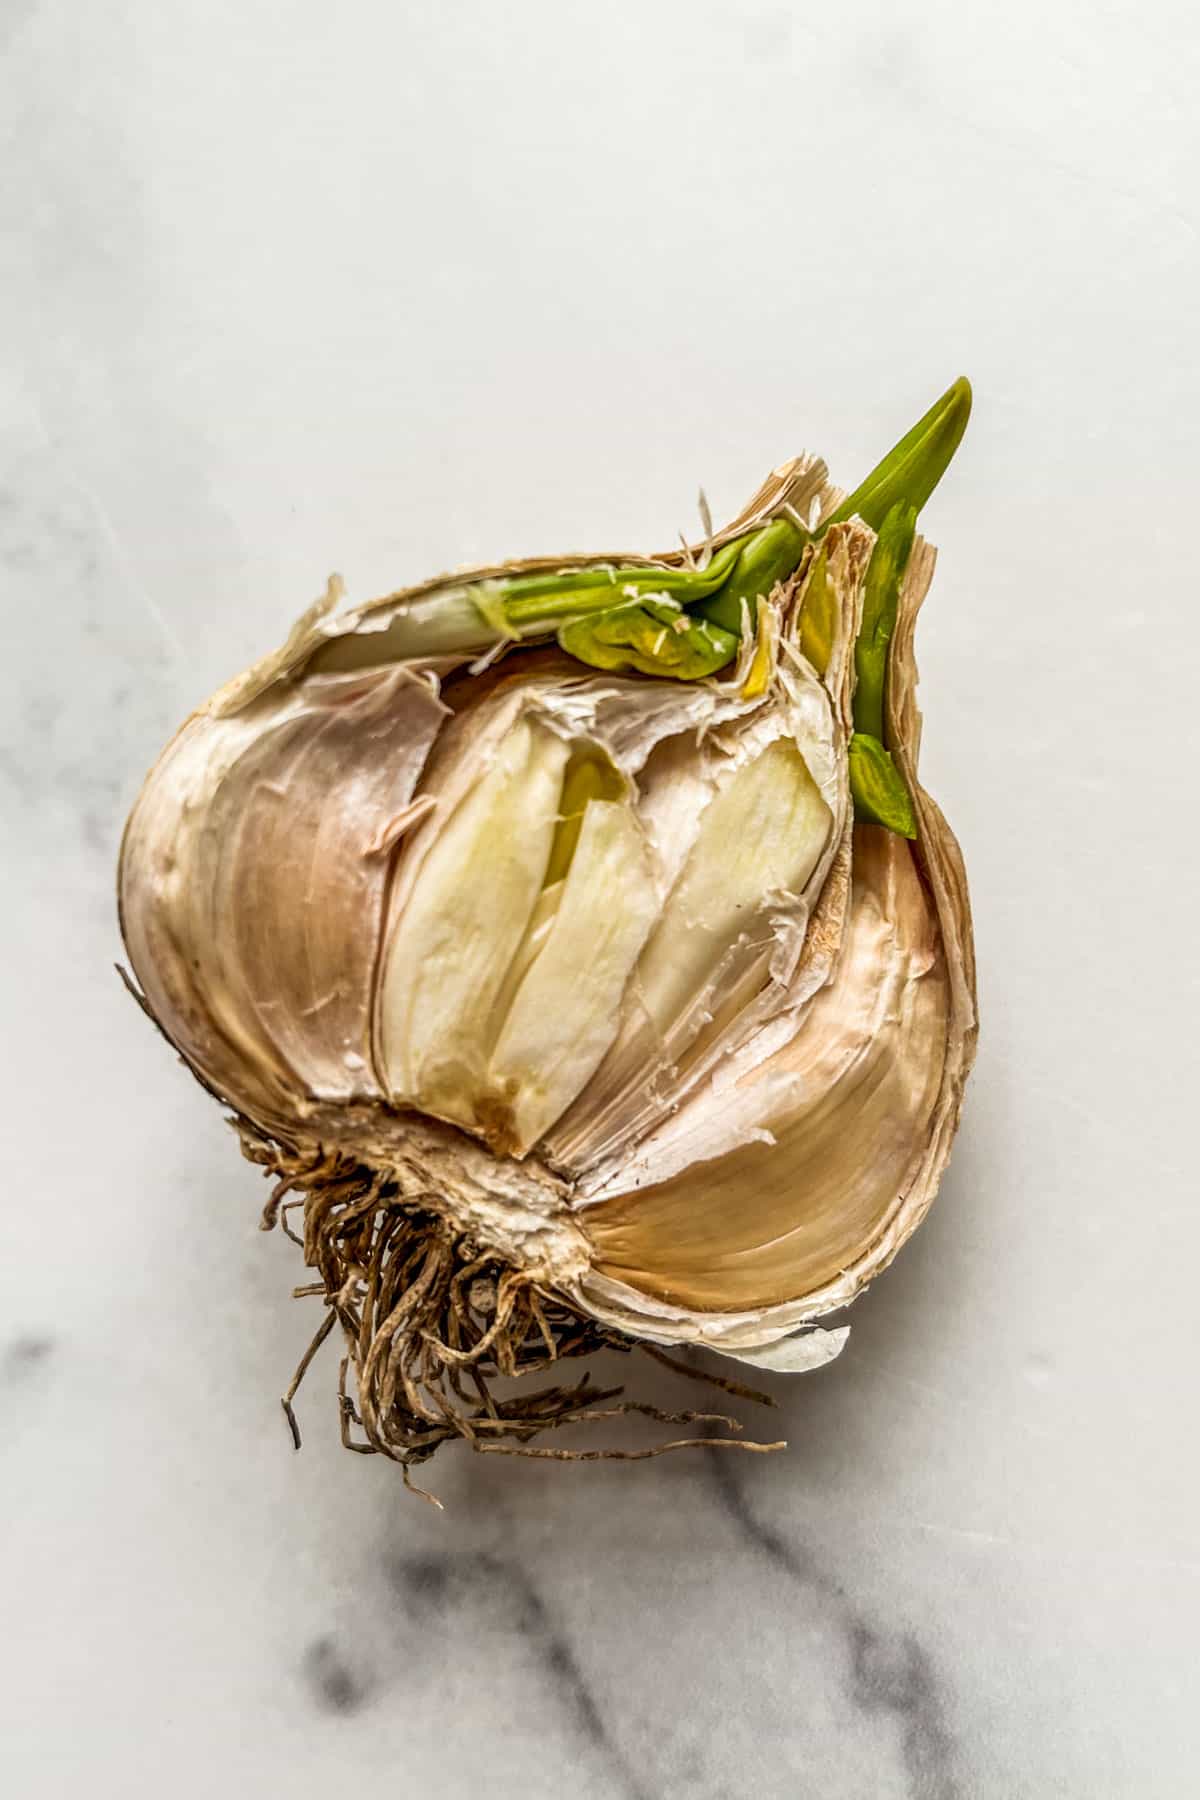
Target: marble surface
[{"x": 388, "y": 287}]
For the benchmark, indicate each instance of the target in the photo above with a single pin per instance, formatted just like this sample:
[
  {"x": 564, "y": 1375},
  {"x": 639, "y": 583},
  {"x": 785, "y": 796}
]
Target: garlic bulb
[{"x": 575, "y": 943}]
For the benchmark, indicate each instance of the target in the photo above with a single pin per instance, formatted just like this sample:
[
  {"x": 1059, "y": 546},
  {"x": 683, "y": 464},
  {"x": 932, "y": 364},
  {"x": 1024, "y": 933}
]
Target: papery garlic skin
[
  {"x": 253, "y": 875},
  {"x": 871, "y": 1047},
  {"x": 890, "y": 1039}
]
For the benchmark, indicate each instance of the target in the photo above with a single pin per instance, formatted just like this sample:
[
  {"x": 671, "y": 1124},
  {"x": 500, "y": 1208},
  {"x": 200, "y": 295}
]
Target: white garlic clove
[
  {"x": 564, "y": 1013},
  {"x": 463, "y": 922}
]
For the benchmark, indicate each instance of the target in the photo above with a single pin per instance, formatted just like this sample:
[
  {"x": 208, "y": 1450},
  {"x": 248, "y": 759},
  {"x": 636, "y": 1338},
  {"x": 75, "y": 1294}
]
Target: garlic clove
[
  {"x": 760, "y": 837},
  {"x": 463, "y": 923},
  {"x": 564, "y": 1014}
]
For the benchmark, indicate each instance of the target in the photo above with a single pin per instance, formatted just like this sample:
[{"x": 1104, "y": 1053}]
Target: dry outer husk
[{"x": 256, "y": 876}]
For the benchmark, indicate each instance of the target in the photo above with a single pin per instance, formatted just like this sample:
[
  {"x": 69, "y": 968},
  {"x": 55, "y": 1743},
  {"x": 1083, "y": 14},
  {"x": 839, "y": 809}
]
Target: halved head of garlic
[{"x": 574, "y": 998}]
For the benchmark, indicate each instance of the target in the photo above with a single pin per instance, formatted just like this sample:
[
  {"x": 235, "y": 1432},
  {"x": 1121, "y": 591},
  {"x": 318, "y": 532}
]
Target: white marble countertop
[{"x": 386, "y": 288}]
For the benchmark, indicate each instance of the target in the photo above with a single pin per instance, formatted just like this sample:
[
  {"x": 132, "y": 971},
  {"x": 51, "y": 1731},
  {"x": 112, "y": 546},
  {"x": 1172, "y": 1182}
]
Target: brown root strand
[
  {"x": 704, "y": 1443},
  {"x": 724, "y": 1382},
  {"x": 431, "y": 1318}
]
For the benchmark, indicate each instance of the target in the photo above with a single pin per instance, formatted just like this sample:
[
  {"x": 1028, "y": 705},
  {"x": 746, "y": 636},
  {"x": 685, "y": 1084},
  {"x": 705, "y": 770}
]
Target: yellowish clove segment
[
  {"x": 760, "y": 838},
  {"x": 464, "y": 923},
  {"x": 561, "y": 1018},
  {"x": 512, "y": 946},
  {"x": 757, "y": 844}
]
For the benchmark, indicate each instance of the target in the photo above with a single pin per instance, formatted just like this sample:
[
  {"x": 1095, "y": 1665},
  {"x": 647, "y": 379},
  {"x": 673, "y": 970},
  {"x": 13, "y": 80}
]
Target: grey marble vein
[
  {"x": 432, "y": 1584},
  {"x": 332, "y": 1679},
  {"x": 22, "y": 1355},
  {"x": 888, "y": 1669}
]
